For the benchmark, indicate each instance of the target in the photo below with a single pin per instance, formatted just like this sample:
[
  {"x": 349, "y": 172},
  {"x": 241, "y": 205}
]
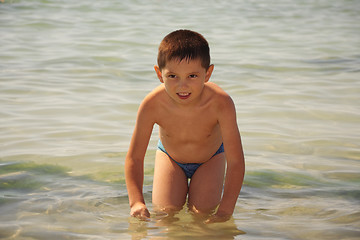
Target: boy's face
[{"x": 184, "y": 80}]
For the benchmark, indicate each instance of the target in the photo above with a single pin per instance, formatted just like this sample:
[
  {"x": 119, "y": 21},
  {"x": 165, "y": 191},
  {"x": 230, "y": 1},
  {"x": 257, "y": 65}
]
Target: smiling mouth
[{"x": 183, "y": 95}]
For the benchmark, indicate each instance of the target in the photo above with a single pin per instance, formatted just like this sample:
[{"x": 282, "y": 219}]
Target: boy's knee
[
  {"x": 202, "y": 210},
  {"x": 169, "y": 210}
]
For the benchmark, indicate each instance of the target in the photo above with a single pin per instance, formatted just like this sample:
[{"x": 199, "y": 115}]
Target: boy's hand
[{"x": 140, "y": 211}]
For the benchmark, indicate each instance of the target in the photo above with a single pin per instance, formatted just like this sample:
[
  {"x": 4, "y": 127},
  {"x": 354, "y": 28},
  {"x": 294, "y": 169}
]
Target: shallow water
[{"x": 72, "y": 74}]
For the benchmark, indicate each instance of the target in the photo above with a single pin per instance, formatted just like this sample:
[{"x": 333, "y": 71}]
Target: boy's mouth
[{"x": 183, "y": 95}]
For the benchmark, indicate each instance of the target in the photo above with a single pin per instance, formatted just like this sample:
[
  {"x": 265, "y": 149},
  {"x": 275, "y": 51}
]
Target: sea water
[{"x": 73, "y": 73}]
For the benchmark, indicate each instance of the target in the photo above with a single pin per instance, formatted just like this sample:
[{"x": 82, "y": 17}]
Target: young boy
[{"x": 199, "y": 136}]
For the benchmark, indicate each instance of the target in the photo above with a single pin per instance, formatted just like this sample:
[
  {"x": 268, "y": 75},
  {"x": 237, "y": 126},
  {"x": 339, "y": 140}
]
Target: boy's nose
[{"x": 183, "y": 83}]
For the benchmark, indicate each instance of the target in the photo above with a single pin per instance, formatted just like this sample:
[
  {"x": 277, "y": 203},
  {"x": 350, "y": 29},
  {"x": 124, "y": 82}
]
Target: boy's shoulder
[
  {"x": 155, "y": 96},
  {"x": 213, "y": 94},
  {"x": 216, "y": 92},
  {"x": 157, "y": 92},
  {"x": 220, "y": 99},
  {"x": 215, "y": 88}
]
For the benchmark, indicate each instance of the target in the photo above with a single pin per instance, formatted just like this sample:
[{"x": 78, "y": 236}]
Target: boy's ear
[
  {"x": 158, "y": 73},
  {"x": 209, "y": 72}
]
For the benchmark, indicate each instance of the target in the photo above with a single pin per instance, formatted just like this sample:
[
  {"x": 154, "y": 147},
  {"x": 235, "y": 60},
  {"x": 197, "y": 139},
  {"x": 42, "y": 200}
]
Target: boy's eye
[
  {"x": 171, "y": 76},
  {"x": 193, "y": 76}
]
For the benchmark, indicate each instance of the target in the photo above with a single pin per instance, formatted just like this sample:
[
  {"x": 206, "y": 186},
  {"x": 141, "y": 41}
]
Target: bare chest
[{"x": 189, "y": 126}]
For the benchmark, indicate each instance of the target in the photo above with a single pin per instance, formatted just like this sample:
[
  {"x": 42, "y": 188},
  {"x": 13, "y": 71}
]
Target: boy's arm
[
  {"x": 235, "y": 160},
  {"x": 134, "y": 162}
]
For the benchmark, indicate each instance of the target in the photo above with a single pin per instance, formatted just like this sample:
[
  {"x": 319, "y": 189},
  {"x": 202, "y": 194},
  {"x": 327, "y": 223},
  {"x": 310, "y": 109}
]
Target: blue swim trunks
[{"x": 188, "y": 168}]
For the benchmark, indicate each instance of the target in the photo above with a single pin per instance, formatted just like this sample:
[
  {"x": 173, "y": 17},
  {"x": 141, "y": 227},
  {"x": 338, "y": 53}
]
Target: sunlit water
[{"x": 72, "y": 74}]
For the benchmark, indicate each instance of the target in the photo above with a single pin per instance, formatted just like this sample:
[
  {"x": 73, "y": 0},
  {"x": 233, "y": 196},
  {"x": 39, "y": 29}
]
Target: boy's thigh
[
  {"x": 170, "y": 185},
  {"x": 206, "y": 185}
]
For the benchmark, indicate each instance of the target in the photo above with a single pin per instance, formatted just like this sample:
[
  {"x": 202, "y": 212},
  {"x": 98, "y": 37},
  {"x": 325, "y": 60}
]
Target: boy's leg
[
  {"x": 170, "y": 185},
  {"x": 206, "y": 185}
]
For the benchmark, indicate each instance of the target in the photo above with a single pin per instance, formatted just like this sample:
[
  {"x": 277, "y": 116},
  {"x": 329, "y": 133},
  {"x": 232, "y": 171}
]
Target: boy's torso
[{"x": 190, "y": 134}]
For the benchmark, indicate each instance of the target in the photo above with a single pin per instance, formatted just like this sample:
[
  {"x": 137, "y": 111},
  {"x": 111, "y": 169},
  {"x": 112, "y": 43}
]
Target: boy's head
[{"x": 184, "y": 44}]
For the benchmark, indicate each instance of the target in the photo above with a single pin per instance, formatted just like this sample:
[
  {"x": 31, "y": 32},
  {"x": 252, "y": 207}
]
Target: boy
[{"x": 198, "y": 134}]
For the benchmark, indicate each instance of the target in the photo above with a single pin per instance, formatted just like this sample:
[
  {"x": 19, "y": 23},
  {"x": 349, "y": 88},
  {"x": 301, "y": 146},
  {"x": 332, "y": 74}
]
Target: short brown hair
[{"x": 184, "y": 44}]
